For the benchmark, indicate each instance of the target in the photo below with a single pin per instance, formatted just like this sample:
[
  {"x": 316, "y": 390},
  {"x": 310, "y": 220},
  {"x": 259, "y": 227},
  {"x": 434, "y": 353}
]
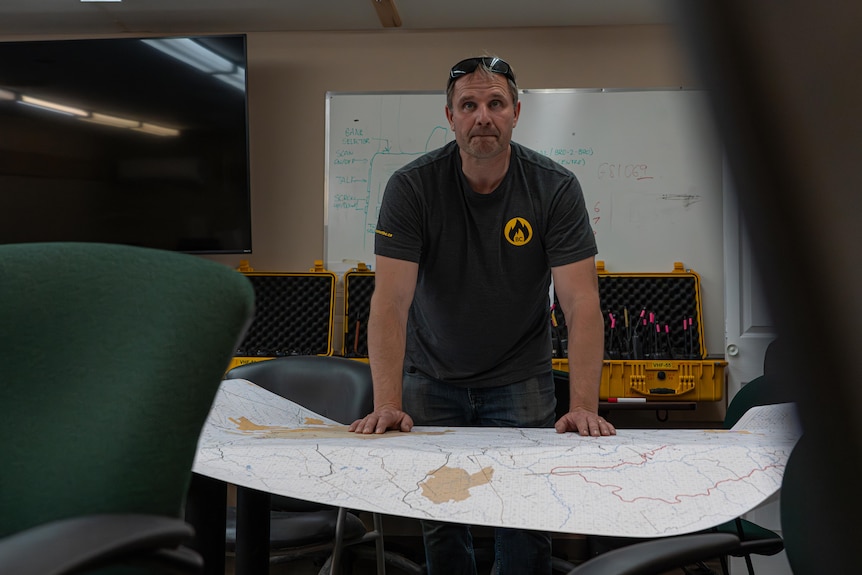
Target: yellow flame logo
[{"x": 518, "y": 232}]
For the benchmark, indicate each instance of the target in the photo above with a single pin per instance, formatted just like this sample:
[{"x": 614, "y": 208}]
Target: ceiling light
[
  {"x": 53, "y": 107},
  {"x": 6, "y": 94}
]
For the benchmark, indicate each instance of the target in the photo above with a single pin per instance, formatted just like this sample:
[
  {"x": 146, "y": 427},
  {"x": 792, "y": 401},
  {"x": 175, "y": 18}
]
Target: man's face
[{"x": 483, "y": 114}]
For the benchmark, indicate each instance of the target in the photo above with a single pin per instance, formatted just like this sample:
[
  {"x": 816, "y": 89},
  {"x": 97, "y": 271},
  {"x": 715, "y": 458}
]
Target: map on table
[{"x": 638, "y": 483}]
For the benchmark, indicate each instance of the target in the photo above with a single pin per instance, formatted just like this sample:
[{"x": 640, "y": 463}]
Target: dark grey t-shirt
[{"x": 480, "y": 314}]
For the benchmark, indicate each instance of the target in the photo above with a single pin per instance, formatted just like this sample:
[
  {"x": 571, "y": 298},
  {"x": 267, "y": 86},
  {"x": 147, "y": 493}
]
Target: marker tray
[
  {"x": 358, "y": 287},
  {"x": 293, "y": 315},
  {"x": 665, "y": 364}
]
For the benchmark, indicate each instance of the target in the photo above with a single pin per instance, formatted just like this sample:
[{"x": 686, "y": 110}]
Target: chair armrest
[
  {"x": 88, "y": 542},
  {"x": 658, "y": 555}
]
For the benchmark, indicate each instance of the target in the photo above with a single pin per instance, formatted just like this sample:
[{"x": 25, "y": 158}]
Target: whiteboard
[{"x": 648, "y": 161}]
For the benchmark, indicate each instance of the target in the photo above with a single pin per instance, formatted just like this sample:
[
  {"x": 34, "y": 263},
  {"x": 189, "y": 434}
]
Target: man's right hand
[{"x": 381, "y": 420}]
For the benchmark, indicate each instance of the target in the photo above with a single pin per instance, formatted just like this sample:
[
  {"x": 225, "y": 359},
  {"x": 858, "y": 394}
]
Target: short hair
[{"x": 486, "y": 71}]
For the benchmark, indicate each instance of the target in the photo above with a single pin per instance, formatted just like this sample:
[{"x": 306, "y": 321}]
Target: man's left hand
[{"x": 586, "y": 423}]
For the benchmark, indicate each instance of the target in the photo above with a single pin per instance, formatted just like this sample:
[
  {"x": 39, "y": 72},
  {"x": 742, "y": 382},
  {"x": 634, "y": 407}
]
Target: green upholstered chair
[{"x": 111, "y": 358}]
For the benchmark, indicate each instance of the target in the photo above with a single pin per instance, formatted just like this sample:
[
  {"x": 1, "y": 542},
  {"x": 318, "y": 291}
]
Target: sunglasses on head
[{"x": 469, "y": 66}]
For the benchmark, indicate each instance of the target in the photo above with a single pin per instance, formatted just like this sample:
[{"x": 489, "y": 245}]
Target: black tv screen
[{"x": 140, "y": 141}]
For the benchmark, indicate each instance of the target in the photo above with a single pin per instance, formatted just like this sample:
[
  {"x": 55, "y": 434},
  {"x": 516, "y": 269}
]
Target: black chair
[
  {"x": 339, "y": 389},
  {"x": 658, "y": 556},
  {"x": 753, "y": 538},
  {"x": 111, "y": 356}
]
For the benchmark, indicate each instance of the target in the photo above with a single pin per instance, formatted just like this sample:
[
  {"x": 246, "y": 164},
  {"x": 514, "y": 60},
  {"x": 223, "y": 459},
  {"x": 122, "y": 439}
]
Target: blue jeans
[{"x": 530, "y": 403}]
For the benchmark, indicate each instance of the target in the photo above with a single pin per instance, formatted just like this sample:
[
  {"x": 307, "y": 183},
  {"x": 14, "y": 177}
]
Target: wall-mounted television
[{"x": 140, "y": 141}]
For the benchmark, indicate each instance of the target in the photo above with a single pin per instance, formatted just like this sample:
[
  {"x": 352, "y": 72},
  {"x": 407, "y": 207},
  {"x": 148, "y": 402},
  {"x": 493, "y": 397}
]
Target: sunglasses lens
[{"x": 469, "y": 66}]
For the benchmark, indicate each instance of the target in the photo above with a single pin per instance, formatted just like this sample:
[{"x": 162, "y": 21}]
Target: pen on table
[{"x": 626, "y": 400}]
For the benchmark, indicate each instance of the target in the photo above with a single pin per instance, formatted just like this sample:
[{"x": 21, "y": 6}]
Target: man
[{"x": 467, "y": 241}]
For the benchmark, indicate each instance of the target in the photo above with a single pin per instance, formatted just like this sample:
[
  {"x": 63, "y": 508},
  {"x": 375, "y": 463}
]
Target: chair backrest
[
  {"x": 334, "y": 387},
  {"x": 775, "y": 360},
  {"x": 111, "y": 357},
  {"x": 767, "y": 389},
  {"x": 762, "y": 390}
]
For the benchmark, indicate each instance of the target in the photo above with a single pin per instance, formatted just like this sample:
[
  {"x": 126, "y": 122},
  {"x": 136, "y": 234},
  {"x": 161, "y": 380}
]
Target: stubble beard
[{"x": 484, "y": 147}]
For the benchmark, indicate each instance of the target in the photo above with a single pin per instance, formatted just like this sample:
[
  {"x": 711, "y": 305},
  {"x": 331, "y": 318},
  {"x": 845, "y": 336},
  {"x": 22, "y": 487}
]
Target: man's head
[
  {"x": 485, "y": 65},
  {"x": 482, "y": 105}
]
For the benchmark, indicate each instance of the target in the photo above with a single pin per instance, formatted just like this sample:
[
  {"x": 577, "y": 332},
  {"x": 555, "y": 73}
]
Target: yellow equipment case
[
  {"x": 654, "y": 338},
  {"x": 358, "y": 287},
  {"x": 293, "y": 315}
]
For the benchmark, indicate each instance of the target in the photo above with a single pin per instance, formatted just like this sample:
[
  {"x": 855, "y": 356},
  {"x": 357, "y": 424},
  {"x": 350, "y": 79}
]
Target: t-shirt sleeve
[
  {"x": 398, "y": 233},
  {"x": 570, "y": 236}
]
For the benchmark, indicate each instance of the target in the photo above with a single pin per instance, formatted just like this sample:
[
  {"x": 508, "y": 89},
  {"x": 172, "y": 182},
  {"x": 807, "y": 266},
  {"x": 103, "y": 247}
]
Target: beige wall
[{"x": 290, "y": 73}]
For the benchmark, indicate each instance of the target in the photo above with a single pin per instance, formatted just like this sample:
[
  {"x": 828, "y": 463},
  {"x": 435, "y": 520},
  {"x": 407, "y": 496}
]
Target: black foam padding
[
  {"x": 293, "y": 316},
  {"x": 358, "y": 289},
  {"x": 671, "y": 299}
]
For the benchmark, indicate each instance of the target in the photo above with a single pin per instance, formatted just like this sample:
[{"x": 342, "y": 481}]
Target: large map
[{"x": 638, "y": 483}]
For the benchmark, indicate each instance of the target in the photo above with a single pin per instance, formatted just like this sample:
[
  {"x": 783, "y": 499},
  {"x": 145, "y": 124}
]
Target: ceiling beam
[{"x": 387, "y": 13}]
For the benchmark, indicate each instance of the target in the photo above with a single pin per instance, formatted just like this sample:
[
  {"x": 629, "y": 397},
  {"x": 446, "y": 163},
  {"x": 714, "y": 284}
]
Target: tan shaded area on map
[
  {"x": 324, "y": 431},
  {"x": 453, "y": 484}
]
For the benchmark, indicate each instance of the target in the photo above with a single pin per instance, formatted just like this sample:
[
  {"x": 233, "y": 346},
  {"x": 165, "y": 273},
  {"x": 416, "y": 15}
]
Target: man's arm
[
  {"x": 577, "y": 289},
  {"x": 394, "y": 285}
]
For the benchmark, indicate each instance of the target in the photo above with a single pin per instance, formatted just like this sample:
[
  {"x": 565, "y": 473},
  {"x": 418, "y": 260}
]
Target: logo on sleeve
[{"x": 518, "y": 232}]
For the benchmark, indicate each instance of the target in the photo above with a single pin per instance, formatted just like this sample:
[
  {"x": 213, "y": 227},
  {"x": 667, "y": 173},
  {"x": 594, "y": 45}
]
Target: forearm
[
  {"x": 586, "y": 351},
  {"x": 387, "y": 331}
]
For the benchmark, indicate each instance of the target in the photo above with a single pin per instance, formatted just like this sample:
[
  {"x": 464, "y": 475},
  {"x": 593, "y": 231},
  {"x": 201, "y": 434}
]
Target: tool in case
[{"x": 654, "y": 337}]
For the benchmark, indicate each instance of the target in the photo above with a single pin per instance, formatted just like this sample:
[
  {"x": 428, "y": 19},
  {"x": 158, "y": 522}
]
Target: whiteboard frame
[{"x": 713, "y": 309}]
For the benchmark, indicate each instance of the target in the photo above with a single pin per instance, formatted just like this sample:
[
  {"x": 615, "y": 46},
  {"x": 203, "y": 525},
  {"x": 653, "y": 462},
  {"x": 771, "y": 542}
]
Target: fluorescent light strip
[
  {"x": 6, "y": 95},
  {"x": 115, "y": 121},
  {"x": 235, "y": 78},
  {"x": 96, "y": 117},
  {"x": 188, "y": 51},
  {"x": 156, "y": 130},
  {"x": 53, "y": 107}
]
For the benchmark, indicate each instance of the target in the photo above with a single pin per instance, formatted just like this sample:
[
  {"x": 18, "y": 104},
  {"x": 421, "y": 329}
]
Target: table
[{"x": 522, "y": 478}]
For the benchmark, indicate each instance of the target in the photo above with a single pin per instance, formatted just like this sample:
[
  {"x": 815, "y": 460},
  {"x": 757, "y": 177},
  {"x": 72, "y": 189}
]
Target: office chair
[
  {"x": 659, "y": 556},
  {"x": 111, "y": 358},
  {"x": 339, "y": 389},
  {"x": 753, "y": 538}
]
